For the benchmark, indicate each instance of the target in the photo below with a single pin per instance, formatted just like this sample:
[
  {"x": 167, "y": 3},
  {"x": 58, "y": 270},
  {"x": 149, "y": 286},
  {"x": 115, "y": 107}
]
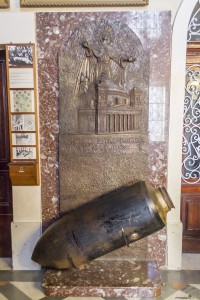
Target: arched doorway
[
  {"x": 179, "y": 42},
  {"x": 190, "y": 185}
]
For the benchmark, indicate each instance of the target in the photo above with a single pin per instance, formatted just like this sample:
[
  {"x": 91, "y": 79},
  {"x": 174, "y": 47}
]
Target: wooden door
[
  {"x": 190, "y": 197},
  {"x": 5, "y": 183}
]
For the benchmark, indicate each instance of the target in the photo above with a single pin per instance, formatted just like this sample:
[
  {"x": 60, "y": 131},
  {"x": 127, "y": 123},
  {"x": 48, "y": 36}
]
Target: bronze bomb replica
[{"x": 103, "y": 225}]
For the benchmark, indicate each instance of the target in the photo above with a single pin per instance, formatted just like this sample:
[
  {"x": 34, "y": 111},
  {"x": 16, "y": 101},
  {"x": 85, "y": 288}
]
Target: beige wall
[{"x": 19, "y": 27}]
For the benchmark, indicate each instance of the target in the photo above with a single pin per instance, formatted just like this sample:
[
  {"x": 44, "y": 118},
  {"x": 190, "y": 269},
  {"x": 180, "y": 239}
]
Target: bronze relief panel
[{"x": 103, "y": 117}]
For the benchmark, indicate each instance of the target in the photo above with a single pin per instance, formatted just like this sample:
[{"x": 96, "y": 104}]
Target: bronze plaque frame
[
  {"x": 4, "y": 3},
  {"x": 64, "y": 3}
]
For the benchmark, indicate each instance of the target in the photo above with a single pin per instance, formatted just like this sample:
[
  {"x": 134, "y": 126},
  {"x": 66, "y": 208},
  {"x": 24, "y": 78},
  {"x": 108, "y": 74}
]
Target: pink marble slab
[
  {"x": 154, "y": 31},
  {"x": 105, "y": 278}
]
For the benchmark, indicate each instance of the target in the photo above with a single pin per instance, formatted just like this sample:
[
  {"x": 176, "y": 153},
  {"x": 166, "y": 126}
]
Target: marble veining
[
  {"x": 24, "y": 285},
  {"x": 53, "y": 30},
  {"x": 131, "y": 278}
]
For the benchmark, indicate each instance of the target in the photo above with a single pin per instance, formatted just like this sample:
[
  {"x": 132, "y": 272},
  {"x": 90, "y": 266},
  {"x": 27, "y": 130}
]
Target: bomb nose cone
[
  {"x": 57, "y": 248},
  {"x": 51, "y": 251}
]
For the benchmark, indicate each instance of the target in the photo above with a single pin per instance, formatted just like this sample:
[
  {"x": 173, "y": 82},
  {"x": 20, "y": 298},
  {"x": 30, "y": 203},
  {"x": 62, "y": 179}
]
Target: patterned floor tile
[
  {"x": 52, "y": 298},
  {"x": 30, "y": 289},
  {"x": 136, "y": 298},
  {"x": 11, "y": 292},
  {"x": 95, "y": 298},
  {"x": 21, "y": 276},
  {"x": 181, "y": 295},
  {"x": 197, "y": 286},
  {"x": 192, "y": 291},
  {"x": 2, "y": 297},
  {"x": 120, "y": 298},
  {"x": 86, "y": 298},
  {"x": 72, "y": 298},
  {"x": 166, "y": 292}
]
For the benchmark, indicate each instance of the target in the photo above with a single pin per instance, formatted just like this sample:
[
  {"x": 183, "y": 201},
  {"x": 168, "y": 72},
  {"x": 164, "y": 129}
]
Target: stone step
[{"x": 105, "y": 278}]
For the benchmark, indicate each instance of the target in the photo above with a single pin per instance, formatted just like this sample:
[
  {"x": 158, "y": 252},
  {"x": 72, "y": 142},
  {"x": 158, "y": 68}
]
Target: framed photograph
[
  {"x": 22, "y": 100},
  {"x": 55, "y": 3},
  {"x": 21, "y": 78},
  {"x": 20, "y": 55},
  {"x": 24, "y": 152},
  {"x": 4, "y": 3},
  {"x": 24, "y": 138},
  {"x": 23, "y": 122}
]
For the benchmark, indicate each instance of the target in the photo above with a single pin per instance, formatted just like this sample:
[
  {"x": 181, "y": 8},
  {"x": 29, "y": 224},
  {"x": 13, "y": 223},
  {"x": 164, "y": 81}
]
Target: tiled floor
[
  {"x": 26, "y": 285},
  {"x": 191, "y": 261}
]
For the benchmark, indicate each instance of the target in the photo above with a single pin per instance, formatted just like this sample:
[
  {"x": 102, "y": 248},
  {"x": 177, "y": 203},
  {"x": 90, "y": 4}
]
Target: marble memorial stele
[
  {"x": 103, "y": 140},
  {"x": 103, "y": 146}
]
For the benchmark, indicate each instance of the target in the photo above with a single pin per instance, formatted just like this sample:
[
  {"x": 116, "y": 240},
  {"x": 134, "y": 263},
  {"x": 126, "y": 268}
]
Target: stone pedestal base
[{"x": 105, "y": 278}]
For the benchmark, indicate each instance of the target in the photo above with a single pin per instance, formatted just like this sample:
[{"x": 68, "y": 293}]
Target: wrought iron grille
[
  {"x": 191, "y": 127},
  {"x": 194, "y": 25}
]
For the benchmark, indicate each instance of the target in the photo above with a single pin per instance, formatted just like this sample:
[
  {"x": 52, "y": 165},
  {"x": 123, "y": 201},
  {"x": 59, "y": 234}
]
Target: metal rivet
[{"x": 134, "y": 236}]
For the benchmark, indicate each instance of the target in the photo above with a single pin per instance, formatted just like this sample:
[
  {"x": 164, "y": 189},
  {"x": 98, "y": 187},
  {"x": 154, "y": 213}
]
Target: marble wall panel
[{"x": 154, "y": 31}]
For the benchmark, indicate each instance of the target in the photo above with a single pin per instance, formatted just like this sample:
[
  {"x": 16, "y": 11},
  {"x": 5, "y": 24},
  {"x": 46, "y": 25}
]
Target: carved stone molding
[
  {"x": 60, "y": 3},
  {"x": 4, "y": 3}
]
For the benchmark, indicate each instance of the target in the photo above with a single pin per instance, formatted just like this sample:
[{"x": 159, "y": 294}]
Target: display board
[{"x": 22, "y": 103}]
